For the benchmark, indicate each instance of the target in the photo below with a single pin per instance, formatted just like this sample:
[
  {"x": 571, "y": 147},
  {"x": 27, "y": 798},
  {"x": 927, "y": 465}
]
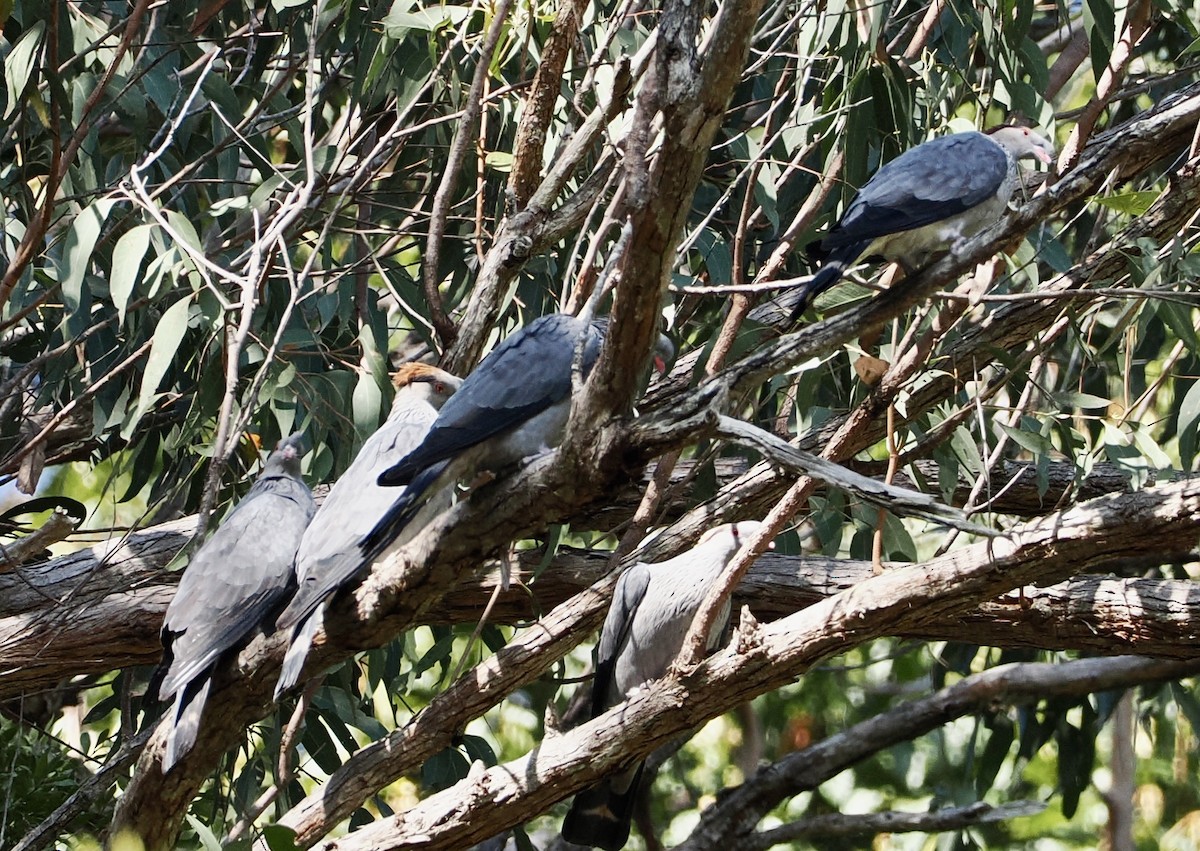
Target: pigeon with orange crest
[{"x": 331, "y": 555}]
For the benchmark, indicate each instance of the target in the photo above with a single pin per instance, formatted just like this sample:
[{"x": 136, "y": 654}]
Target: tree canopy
[{"x": 226, "y": 225}]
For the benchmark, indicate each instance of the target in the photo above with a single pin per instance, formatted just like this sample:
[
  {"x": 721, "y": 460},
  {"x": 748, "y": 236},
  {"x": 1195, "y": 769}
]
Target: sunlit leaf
[{"x": 126, "y": 263}]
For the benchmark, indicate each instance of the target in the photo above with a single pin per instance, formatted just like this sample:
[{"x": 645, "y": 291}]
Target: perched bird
[
  {"x": 930, "y": 198},
  {"x": 329, "y": 555},
  {"x": 512, "y": 407},
  {"x": 234, "y": 584},
  {"x": 652, "y": 608}
]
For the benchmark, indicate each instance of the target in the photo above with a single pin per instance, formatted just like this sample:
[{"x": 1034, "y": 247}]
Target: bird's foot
[{"x": 483, "y": 477}]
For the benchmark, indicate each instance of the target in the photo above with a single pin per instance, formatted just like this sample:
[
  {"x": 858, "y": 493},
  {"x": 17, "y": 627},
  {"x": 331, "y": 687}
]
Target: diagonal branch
[
  {"x": 941, "y": 820},
  {"x": 464, "y": 141},
  {"x": 732, "y": 820},
  {"x": 763, "y": 658}
]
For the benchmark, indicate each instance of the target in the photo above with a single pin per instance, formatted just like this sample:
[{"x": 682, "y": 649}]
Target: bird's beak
[{"x": 1043, "y": 155}]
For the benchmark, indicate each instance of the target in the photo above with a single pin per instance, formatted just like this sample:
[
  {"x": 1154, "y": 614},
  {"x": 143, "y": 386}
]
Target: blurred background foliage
[{"x": 240, "y": 214}]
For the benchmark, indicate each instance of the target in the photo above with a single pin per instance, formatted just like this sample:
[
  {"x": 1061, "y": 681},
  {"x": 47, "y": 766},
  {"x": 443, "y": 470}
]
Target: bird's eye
[{"x": 439, "y": 387}]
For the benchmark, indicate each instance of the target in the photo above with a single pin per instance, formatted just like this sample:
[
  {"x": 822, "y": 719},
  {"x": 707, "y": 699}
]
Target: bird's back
[
  {"x": 936, "y": 180},
  {"x": 236, "y": 578},
  {"x": 674, "y": 595},
  {"x": 356, "y": 501},
  {"x": 526, "y": 374}
]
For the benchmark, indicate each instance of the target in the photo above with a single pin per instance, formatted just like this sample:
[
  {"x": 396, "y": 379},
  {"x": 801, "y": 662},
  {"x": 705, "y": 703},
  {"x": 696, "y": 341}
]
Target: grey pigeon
[
  {"x": 512, "y": 407},
  {"x": 329, "y": 556},
  {"x": 928, "y": 199},
  {"x": 652, "y": 609},
  {"x": 233, "y": 584}
]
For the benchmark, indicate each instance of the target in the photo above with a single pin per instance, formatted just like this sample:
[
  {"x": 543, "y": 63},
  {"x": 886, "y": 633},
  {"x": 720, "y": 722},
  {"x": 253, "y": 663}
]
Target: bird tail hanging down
[
  {"x": 836, "y": 262},
  {"x": 297, "y": 652},
  {"x": 600, "y": 817},
  {"x": 185, "y": 722}
]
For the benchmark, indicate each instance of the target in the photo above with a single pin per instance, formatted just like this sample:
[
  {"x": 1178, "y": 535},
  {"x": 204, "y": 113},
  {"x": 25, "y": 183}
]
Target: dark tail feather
[
  {"x": 600, "y": 817},
  {"x": 293, "y": 662},
  {"x": 400, "y": 473},
  {"x": 154, "y": 687},
  {"x": 836, "y": 263},
  {"x": 403, "y": 510},
  {"x": 189, "y": 707}
]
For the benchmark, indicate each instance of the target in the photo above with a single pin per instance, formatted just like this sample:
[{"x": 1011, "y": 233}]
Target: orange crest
[{"x": 407, "y": 373}]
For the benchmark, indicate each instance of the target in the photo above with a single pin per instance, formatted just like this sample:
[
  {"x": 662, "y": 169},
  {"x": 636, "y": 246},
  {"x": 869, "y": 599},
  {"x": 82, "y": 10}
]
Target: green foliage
[
  {"x": 238, "y": 218},
  {"x": 39, "y": 775}
]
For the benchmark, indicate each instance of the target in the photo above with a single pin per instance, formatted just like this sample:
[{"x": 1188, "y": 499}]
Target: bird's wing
[
  {"x": 236, "y": 579},
  {"x": 356, "y": 502},
  {"x": 929, "y": 183},
  {"x": 323, "y": 577},
  {"x": 523, "y": 376},
  {"x": 614, "y": 637}
]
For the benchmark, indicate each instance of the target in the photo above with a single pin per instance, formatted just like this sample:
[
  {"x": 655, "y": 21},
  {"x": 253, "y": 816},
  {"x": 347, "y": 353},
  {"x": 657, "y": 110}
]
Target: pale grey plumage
[
  {"x": 652, "y": 609},
  {"x": 930, "y": 198},
  {"x": 232, "y": 585},
  {"x": 330, "y": 555}
]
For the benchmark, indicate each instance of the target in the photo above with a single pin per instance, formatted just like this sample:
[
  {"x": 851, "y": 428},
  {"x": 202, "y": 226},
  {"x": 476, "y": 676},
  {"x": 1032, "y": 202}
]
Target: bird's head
[
  {"x": 732, "y": 536},
  {"x": 1023, "y": 143},
  {"x": 425, "y": 382},
  {"x": 663, "y": 354},
  {"x": 287, "y": 455}
]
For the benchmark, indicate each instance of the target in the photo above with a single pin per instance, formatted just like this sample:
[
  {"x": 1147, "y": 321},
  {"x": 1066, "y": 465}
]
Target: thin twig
[{"x": 464, "y": 140}]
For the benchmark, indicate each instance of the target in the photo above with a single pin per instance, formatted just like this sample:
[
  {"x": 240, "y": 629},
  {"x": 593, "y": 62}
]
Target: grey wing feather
[
  {"x": 614, "y": 637},
  {"x": 929, "y": 183},
  {"x": 523, "y": 376},
  {"x": 236, "y": 579},
  {"x": 329, "y": 553}
]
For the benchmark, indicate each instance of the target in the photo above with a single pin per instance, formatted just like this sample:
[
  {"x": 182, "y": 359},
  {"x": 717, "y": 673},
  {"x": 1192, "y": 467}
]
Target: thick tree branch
[
  {"x": 691, "y": 88},
  {"x": 99, "y": 610},
  {"x": 731, "y": 822},
  {"x": 539, "y": 105},
  {"x": 838, "y": 825},
  {"x": 762, "y": 658},
  {"x": 58, "y": 527}
]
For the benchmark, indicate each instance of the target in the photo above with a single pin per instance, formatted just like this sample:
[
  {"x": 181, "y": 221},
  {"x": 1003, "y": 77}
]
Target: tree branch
[
  {"x": 100, "y": 610},
  {"x": 763, "y": 658},
  {"x": 935, "y": 821},
  {"x": 464, "y": 139},
  {"x": 731, "y": 821}
]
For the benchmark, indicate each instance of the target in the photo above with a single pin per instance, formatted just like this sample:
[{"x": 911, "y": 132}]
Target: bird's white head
[
  {"x": 1022, "y": 142},
  {"x": 733, "y": 535},
  {"x": 426, "y": 382}
]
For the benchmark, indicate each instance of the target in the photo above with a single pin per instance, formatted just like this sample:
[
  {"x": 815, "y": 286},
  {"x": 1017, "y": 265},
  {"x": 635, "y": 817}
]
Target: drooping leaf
[
  {"x": 168, "y": 334},
  {"x": 126, "y": 263}
]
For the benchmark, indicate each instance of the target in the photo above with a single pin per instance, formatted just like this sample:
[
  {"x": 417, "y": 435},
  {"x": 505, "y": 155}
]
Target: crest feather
[{"x": 407, "y": 373}]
